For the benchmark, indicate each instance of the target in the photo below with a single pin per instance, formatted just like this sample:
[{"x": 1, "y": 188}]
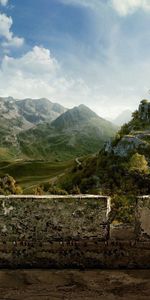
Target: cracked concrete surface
[{"x": 74, "y": 284}]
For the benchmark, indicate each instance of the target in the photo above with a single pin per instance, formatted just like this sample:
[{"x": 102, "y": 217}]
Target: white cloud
[
  {"x": 38, "y": 74},
  {"x": 37, "y": 62},
  {"x": 9, "y": 39},
  {"x": 124, "y": 7},
  {"x": 4, "y": 2},
  {"x": 93, "y": 4},
  {"x": 107, "y": 85}
]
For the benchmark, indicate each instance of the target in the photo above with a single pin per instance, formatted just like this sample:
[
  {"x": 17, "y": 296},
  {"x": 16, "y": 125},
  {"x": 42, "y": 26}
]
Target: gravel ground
[{"x": 74, "y": 285}]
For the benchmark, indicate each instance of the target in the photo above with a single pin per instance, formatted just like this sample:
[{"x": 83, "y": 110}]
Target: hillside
[
  {"x": 20, "y": 115},
  {"x": 29, "y": 174},
  {"x": 38, "y": 111},
  {"x": 25, "y": 113},
  {"x": 122, "y": 167},
  {"x": 76, "y": 117},
  {"x": 79, "y": 131},
  {"x": 134, "y": 136}
]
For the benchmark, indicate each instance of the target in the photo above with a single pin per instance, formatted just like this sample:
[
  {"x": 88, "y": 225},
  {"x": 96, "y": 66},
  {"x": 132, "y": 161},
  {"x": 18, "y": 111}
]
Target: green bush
[{"x": 8, "y": 186}]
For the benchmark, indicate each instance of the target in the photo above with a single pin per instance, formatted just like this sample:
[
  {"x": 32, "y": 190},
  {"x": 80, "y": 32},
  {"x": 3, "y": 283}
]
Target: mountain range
[{"x": 41, "y": 129}]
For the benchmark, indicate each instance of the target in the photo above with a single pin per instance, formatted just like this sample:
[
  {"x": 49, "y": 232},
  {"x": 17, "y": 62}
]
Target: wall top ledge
[
  {"x": 144, "y": 197},
  {"x": 54, "y": 197}
]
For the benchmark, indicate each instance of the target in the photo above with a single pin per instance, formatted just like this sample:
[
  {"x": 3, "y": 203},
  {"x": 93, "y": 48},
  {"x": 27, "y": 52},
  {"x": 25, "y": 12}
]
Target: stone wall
[
  {"x": 48, "y": 218},
  {"x": 143, "y": 218},
  {"x": 71, "y": 231},
  {"x": 139, "y": 229}
]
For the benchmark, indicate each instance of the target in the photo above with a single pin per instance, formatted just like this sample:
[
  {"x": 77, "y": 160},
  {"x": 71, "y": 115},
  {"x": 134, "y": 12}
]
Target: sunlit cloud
[
  {"x": 4, "y": 2},
  {"x": 125, "y": 7},
  {"x": 9, "y": 39}
]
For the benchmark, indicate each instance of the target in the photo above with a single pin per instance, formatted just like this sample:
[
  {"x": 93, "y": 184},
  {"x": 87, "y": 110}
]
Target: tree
[
  {"x": 138, "y": 163},
  {"x": 144, "y": 101}
]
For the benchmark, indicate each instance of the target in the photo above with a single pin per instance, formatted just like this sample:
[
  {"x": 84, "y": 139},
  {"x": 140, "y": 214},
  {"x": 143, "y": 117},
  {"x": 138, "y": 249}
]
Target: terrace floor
[{"x": 74, "y": 284}]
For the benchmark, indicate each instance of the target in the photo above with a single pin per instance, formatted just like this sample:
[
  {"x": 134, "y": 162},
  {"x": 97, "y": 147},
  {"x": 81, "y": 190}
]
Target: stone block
[
  {"x": 122, "y": 231},
  {"x": 143, "y": 217}
]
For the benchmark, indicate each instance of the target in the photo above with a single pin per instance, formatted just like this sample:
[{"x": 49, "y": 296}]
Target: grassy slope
[
  {"x": 46, "y": 142},
  {"x": 29, "y": 174}
]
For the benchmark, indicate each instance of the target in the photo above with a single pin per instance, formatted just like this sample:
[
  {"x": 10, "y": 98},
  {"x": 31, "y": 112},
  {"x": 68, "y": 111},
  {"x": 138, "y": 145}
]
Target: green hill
[{"x": 79, "y": 131}]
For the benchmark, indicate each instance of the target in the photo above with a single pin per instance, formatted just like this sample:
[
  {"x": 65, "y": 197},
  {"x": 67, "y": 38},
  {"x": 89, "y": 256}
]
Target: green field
[{"x": 29, "y": 174}]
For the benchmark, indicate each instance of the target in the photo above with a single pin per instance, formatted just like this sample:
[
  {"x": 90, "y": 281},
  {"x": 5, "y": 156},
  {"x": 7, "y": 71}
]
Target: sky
[{"x": 94, "y": 52}]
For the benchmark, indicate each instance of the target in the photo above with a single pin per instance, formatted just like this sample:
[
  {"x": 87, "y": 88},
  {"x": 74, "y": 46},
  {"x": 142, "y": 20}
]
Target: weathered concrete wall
[
  {"x": 53, "y": 218},
  {"x": 139, "y": 229},
  {"x": 71, "y": 231},
  {"x": 123, "y": 232},
  {"x": 143, "y": 217}
]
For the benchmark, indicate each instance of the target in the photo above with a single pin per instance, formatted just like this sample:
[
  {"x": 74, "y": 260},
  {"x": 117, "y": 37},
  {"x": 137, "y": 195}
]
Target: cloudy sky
[{"x": 95, "y": 52}]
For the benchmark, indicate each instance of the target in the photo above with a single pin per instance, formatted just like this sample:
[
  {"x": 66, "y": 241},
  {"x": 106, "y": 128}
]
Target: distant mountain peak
[
  {"x": 82, "y": 121},
  {"x": 21, "y": 115},
  {"x": 74, "y": 116},
  {"x": 86, "y": 109},
  {"x": 123, "y": 117},
  {"x": 39, "y": 110}
]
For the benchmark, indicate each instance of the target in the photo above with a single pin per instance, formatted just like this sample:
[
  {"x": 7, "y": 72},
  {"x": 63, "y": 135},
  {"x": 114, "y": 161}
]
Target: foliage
[
  {"x": 136, "y": 123},
  {"x": 144, "y": 101},
  {"x": 49, "y": 189},
  {"x": 110, "y": 175},
  {"x": 54, "y": 190},
  {"x": 138, "y": 163},
  {"x": 123, "y": 207},
  {"x": 75, "y": 190},
  {"x": 8, "y": 186},
  {"x": 47, "y": 142}
]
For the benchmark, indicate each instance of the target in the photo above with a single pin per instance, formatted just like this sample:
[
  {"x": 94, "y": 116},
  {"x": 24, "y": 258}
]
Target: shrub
[
  {"x": 9, "y": 186},
  {"x": 138, "y": 163}
]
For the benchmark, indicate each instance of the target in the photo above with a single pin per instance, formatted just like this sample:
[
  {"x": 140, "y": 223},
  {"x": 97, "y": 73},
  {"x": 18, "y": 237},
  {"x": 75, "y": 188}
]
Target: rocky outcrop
[
  {"x": 129, "y": 144},
  {"x": 138, "y": 137},
  {"x": 144, "y": 110}
]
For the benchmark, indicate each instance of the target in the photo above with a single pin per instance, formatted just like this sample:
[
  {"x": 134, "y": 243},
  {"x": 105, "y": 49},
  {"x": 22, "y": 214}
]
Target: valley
[
  {"x": 79, "y": 152},
  {"x": 29, "y": 174},
  {"x": 40, "y": 140}
]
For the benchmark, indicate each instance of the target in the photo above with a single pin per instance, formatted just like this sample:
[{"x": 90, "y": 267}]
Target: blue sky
[{"x": 95, "y": 52}]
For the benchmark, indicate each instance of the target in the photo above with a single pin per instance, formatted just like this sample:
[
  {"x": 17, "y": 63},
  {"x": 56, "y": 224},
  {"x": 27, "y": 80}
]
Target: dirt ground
[{"x": 74, "y": 285}]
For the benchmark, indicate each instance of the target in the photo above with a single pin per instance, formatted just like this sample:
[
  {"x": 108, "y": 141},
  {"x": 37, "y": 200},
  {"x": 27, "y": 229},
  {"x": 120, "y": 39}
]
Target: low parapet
[
  {"x": 71, "y": 231},
  {"x": 53, "y": 217}
]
